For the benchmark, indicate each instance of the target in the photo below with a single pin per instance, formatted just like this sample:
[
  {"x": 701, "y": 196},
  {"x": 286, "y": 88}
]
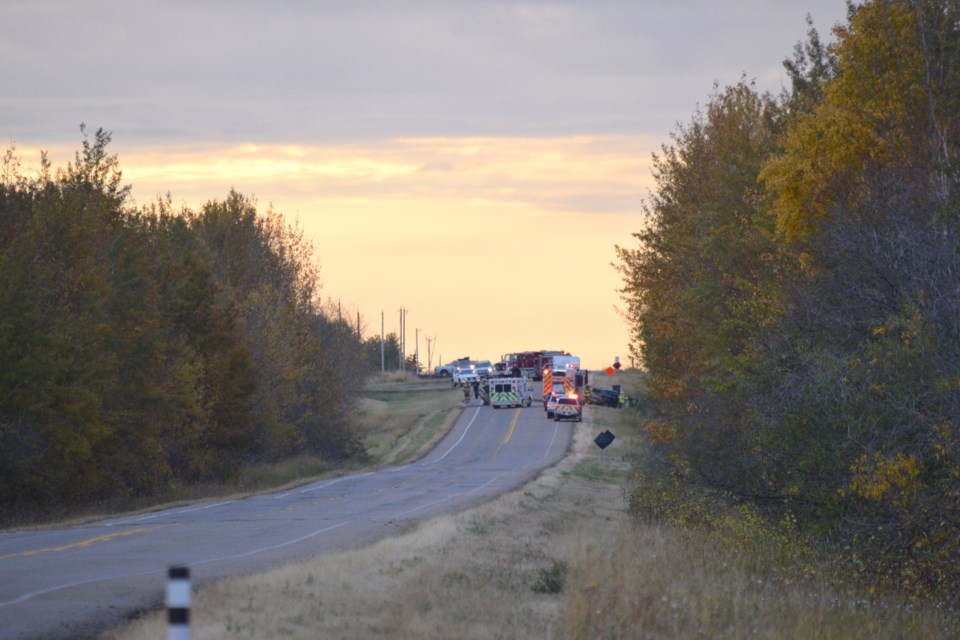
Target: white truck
[
  {"x": 564, "y": 361},
  {"x": 447, "y": 370},
  {"x": 465, "y": 374},
  {"x": 506, "y": 392}
]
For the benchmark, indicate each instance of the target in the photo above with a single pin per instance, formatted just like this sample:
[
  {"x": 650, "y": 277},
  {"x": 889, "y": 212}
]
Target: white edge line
[
  {"x": 34, "y": 594},
  {"x": 455, "y": 444}
]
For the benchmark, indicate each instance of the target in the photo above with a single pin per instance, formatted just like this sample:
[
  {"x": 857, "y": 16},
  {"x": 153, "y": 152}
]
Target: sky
[{"x": 475, "y": 162}]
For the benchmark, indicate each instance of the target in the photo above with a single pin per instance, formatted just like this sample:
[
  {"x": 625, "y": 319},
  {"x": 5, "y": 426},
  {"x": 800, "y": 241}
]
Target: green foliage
[
  {"x": 145, "y": 348},
  {"x": 388, "y": 352},
  {"x": 795, "y": 298},
  {"x": 702, "y": 283},
  {"x": 768, "y": 540},
  {"x": 551, "y": 579}
]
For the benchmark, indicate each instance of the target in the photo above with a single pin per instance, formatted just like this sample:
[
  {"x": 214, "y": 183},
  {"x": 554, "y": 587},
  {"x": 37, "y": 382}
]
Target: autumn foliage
[
  {"x": 794, "y": 294},
  {"x": 145, "y": 347}
]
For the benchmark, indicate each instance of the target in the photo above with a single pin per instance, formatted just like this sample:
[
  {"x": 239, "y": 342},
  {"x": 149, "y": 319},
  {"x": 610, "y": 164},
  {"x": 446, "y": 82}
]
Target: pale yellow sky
[
  {"x": 506, "y": 147},
  {"x": 492, "y": 244}
]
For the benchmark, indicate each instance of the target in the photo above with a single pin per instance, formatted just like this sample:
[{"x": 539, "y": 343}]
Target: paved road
[{"x": 68, "y": 583}]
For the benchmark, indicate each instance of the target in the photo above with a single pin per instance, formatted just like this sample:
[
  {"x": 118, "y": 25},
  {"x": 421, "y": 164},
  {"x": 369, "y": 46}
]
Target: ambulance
[{"x": 507, "y": 392}]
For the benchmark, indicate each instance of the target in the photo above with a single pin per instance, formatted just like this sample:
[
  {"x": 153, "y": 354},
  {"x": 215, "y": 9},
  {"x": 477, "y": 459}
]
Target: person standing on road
[
  {"x": 586, "y": 395},
  {"x": 476, "y": 388},
  {"x": 466, "y": 393}
]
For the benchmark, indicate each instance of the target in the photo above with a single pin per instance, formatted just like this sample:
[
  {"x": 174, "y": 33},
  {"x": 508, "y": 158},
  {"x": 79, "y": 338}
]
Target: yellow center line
[
  {"x": 513, "y": 425},
  {"x": 74, "y": 545}
]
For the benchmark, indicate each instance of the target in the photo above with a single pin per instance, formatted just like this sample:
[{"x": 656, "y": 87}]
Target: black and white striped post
[{"x": 178, "y": 603}]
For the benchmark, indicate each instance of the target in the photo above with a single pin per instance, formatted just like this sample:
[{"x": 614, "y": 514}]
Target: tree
[
  {"x": 699, "y": 285},
  {"x": 866, "y": 410},
  {"x": 801, "y": 322},
  {"x": 139, "y": 349}
]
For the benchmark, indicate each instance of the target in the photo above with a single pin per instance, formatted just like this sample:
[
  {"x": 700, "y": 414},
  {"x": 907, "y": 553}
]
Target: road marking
[
  {"x": 448, "y": 498},
  {"x": 455, "y": 444},
  {"x": 73, "y": 545},
  {"x": 318, "y": 487},
  {"x": 513, "y": 425},
  {"x": 247, "y": 554},
  {"x": 137, "y": 574},
  {"x": 166, "y": 513}
]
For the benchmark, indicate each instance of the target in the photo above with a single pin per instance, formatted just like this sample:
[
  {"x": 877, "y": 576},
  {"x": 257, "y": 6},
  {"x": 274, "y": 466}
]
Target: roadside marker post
[{"x": 178, "y": 603}]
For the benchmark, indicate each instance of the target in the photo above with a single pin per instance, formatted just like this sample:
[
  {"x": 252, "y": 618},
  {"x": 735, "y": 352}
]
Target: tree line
[
  {"x": 141, "y": 347},
  {"x": 794, "y": 294}
]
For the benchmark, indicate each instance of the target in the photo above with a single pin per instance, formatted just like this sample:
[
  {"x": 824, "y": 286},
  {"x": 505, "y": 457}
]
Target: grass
[
  {"x": 401, "y": 417},
  {"x": 558, "y": 559},
  {"x": 664, "y": 583},
  {"x": 496, "y": 571}
]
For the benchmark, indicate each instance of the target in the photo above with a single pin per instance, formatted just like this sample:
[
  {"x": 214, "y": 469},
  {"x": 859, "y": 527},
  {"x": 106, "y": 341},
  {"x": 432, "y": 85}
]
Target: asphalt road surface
[{"x": 70, "y": 583}]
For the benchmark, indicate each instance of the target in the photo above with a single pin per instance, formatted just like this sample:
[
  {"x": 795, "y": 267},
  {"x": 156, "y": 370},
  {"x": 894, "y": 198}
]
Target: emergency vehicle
[
  {"x": 530, "y": 363},
  {"x": 568, "y": 409},
  {"x": 506, "y": 392},
  {"x": 561, "y": 376}
]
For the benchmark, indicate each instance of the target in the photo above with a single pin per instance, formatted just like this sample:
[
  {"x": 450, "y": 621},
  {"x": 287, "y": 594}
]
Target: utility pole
[
  {"x": 431, "y": 344},
  {"x": 382, "y": 361},
  {"x": 416, "y": 351},
  {"x": 400, "y": 346}
]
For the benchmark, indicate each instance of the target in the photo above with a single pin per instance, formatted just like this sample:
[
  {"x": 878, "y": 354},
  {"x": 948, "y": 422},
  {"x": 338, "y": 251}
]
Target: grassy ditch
[
  {"x": 560, "y": 558},
  {"x": 496, "y": 571},
  {"x": 401, "y": 417}
]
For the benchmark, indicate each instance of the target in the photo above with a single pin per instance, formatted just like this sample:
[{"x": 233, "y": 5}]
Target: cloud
[
  {"x": 310, "y": 72},
  {"x": 577, "y": 175},
  {"x": 458, "y": 157},
  {"x": 454, "y": 228}
]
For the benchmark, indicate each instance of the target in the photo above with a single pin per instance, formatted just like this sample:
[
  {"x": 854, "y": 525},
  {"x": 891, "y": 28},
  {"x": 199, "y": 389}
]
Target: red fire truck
[{"x": 530, "y": 363}]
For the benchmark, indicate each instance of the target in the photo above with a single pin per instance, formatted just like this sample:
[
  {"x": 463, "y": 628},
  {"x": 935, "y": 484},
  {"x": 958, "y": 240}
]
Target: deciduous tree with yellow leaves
[{"x": 796, "y": 301}]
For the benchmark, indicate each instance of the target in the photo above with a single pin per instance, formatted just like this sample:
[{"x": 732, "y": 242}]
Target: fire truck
[
  {"x": 562, "y": 375},
  {"x": 530, "y": 363}
]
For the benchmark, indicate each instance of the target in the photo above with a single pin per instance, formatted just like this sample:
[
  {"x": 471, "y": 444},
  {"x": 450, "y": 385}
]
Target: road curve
[{"x": 70, "y": 583}]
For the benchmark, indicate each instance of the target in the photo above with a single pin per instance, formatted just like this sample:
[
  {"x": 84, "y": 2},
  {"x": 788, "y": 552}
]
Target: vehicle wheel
[{"x": 556, "y": 419}]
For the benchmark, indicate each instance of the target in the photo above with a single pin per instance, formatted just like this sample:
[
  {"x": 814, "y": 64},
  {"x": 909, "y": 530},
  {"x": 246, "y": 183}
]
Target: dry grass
[
  {"x": 558, "y": 559},
  {"x": 401, "y": 416},
  {"x": 470, "y": 575},
  {"x": 661, "y": 583}
]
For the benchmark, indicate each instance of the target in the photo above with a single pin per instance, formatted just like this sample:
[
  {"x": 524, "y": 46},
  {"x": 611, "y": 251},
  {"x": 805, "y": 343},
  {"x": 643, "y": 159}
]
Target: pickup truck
[
  {"x": 447, "y": 370},
  {"x": 484, "y": 368}
]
